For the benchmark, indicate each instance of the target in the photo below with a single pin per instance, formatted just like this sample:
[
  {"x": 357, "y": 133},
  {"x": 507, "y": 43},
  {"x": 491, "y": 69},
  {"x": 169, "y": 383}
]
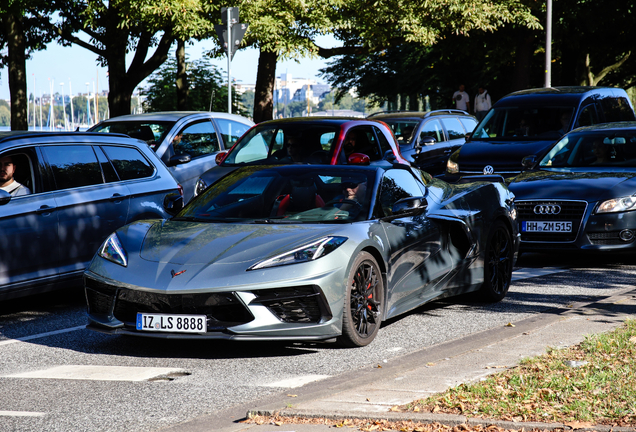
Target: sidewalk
[{"x": 371, "y": 392}]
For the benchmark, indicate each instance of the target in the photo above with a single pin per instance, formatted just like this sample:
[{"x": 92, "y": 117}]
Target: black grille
[
  {"x": 303, "y": 304},
  {"x": 465, "y": 167},
  {"x": 99, "y": 296},
  {"x": 607, "y": 238},
  {"x": 570, "y": 211},
  {"x": 222, "y": 309}
]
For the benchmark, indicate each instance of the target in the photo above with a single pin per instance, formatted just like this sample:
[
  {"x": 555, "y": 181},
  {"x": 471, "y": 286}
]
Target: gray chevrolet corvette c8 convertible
[{"x": 304, "y": 253}]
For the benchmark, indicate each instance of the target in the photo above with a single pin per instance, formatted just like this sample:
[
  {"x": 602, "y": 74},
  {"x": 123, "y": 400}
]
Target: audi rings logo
[
  {"x": 547, "y": 209},
  {"x": 488, "y": 169}
]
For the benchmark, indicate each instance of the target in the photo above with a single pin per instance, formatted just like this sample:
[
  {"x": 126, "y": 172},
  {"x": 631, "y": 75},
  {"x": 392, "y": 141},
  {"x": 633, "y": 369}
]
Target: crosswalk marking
[{"x": 99, "y": 373}]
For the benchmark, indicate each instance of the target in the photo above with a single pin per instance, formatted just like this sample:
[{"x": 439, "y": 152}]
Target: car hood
[
  {"x": 500, "y": 153},
  {"x": 587, "y": 186},
  {"x": 186, "y": 243}
]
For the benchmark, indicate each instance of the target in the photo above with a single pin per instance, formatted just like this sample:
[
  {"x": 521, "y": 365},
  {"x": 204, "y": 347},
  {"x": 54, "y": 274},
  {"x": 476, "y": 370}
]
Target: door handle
[
  {"x": 117, "y": 197},
  {"x": 45, "y": 209}
]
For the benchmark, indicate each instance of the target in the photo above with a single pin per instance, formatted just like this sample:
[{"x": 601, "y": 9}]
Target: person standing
[
  {"x": 461, "y": 99},
  {"x": 482, "y": 103}
]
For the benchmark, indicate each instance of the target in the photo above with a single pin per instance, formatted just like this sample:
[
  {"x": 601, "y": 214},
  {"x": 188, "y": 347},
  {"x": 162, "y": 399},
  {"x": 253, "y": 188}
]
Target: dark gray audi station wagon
[{"x": 77, "y": 188}]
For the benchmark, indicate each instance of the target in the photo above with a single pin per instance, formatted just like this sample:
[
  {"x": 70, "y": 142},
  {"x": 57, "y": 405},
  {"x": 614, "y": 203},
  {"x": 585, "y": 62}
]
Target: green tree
[
  {"x": 23, "y": 29},
  {"x": 207, "y": 92},
  {"x": 118, "y": 27}
]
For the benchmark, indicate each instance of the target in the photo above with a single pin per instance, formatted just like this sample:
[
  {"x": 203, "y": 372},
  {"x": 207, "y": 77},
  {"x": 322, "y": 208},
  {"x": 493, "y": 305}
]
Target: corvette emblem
[
  {"x": 488, "y": 169},
  {"x": 174, "y": 273}
]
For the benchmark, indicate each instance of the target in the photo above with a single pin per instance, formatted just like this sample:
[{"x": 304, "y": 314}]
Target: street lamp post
[
  {"x": 63, "y": 107},
  {"x": 548, "y": 45}
]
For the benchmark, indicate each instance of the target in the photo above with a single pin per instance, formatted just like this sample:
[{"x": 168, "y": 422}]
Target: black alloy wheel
[
  {"x": 498, "y": 263},
  {"x": 362, "y": 313}
]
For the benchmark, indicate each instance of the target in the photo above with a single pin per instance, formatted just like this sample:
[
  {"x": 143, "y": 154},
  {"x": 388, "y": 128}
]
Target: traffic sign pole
[{"x": 229, "y": 60}]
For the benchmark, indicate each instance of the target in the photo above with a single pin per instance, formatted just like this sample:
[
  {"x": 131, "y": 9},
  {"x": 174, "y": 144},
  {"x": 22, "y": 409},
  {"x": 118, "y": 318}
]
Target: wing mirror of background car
[
  {"x": 389, "y": 156},
  {"x": 179, "y": 159},
  {"x": 173, "y": 203},
  {"x": 220, "y": 157},
  {"x": 424, "y": 141},
  {"x": 410, "y": 205},
  {"x": 5, "y": 197},
  {"x": 529, "y": 162},
  {"x": 358, "y": 159}
]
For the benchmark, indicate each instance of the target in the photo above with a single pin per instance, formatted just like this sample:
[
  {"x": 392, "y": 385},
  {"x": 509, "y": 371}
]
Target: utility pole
[{"x": 548, "y": 45}]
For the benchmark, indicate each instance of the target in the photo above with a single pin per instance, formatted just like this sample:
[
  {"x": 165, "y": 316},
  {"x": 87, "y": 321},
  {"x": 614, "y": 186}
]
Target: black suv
[
  {"x": 528, "y": 122},
  {"x": 427, "y": 139}
]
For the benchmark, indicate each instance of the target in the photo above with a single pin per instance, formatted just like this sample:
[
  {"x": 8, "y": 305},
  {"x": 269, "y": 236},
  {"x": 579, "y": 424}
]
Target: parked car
[
  {"x": 82, "y": 187},
  {"x": 427, "y": 139},
  {"x": 302, "y": 252},
  {"x": 315, "y": 140},
  {"x": 529, "y": 122},
  {"x": 186, "y": 141},
  {"x": 582, "y": 194}
]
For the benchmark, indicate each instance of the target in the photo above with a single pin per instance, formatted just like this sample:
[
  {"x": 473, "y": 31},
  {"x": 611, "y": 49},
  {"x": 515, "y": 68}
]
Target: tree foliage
[{"x": 207, "y": 90}]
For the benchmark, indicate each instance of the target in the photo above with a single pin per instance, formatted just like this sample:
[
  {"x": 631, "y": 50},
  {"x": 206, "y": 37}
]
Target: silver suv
[{"x": 77, "y": 188}]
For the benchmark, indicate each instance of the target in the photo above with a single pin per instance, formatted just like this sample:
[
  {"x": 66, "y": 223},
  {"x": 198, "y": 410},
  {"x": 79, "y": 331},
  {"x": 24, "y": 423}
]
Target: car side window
[
  {"x": 231, "y": 131},
  {"x": 396, "y": 185},
  {"x": 129, "y": 162},
  {"x": 372, "y": 150},
  {"x": 24, "y": 164},
  {"x": 198, "y": 139},
  {"x": 468, "y": 123},
  {"x": 587, "y": 117},
  {"x": 454, "y": 128},
  {"x": 73, "y": 166},
  {"x": 432, "y": 128},
  {"x": 384, "y": 143},
  {"x": 617, "y": 109}
]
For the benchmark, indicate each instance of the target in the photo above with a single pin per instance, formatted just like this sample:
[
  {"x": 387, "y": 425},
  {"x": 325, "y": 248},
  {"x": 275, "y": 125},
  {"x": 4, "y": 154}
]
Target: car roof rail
[
  {"x": 447, "y": 111},
  {"x": 388, "y": 112}
]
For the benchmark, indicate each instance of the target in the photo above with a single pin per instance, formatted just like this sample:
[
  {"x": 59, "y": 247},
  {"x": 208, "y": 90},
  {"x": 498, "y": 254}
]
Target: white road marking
[
  {"x": 42, "y": 335},
  {"x": 297, "y": 381},
  {"x": 527, "y": 273},
  {"x": 98, "y": 373},
  {"x": 21, "y": 414}
]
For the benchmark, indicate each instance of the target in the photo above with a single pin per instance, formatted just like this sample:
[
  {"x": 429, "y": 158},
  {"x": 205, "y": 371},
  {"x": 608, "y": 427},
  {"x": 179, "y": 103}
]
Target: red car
[{"x": 309, "y": 140}]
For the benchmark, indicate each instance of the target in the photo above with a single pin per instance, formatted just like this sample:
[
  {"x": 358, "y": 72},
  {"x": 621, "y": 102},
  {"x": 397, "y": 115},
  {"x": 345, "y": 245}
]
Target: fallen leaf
[
  {"x": 368, "y": 400},
  {"x": 395, "y": 408},
  {"x": 278, "y": 423},
  {"x": 578, "y": 425},
  {"x": 510, "y": 325},
  {"x": 633, "y": 339},
  {"x": 416, "y": 409},
  {"x": 430, "y": 364},
  {"x": 379, "y": 367},
  {"x": 291, "y": 395}
]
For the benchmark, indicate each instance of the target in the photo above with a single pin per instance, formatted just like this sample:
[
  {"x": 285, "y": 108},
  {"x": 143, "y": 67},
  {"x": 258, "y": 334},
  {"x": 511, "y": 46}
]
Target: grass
[{"x": 599, "y": 388}]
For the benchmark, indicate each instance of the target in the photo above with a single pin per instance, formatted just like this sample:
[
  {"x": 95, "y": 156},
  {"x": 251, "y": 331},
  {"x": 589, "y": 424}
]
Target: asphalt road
[{"x": 57, "y": 376}]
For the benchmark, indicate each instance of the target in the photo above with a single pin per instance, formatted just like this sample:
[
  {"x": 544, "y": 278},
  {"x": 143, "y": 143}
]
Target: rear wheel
[
  {"x": 362, "y": 313},
  {"x": 498, "y": 263}
]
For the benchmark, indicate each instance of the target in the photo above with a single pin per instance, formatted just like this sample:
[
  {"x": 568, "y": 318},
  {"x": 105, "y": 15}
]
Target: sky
[{"x": 63, "y": 67}]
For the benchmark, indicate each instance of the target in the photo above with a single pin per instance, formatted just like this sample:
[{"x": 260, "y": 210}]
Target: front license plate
[
  {"x": 545, "y": 226},
  {"x": 172, "y": 323}
]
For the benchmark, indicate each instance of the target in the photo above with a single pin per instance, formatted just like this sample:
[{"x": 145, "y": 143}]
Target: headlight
[
  {"x": 310, "y": 252},
  {"x": 617, "y": 205},
  {"x": 452, "y": 167},
  {"x": 200, "y": 187},
  {"x": 112, "y": 250}
]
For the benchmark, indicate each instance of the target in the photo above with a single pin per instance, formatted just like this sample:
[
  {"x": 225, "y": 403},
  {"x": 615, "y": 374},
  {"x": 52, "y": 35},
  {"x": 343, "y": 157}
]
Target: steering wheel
[{"x": 339, "y": 204}]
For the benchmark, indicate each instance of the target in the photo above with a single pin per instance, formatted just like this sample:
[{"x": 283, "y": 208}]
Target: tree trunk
[
  {"x": 523, "y": 60},
  {"x": 17, "y": 71},
  {"x": 264, "y": 91},
  {"x": 182, "y": 77}
]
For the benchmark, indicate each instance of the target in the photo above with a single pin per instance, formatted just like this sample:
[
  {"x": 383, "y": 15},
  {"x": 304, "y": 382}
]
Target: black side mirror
[
  {"x": 409, "y": 205},
  {"x": 529, "y": 162},
  {"x": 389, "y": 156},
  {"x": 424, "y": 141},
  {"x": 5, "y": 197},
  {"x": 173, "y": 203},
  {"x": 179, "y": 159}
]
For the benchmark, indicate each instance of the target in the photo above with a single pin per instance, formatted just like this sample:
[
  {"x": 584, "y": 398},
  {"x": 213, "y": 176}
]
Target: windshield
[
  {"x": 525, "y": 123},
  {"x": 151, "y": 132},
  {"x": 284, "y": 144},
  {"x": 285, "y": 195},
  {"x": 602, "y": 149}
]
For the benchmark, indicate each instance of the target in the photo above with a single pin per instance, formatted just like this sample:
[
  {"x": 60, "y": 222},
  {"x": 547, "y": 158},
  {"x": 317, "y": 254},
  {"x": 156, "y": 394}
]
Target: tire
[
  {"x": 363, "y": 307},
  {"x": 497, "y": 263}
]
